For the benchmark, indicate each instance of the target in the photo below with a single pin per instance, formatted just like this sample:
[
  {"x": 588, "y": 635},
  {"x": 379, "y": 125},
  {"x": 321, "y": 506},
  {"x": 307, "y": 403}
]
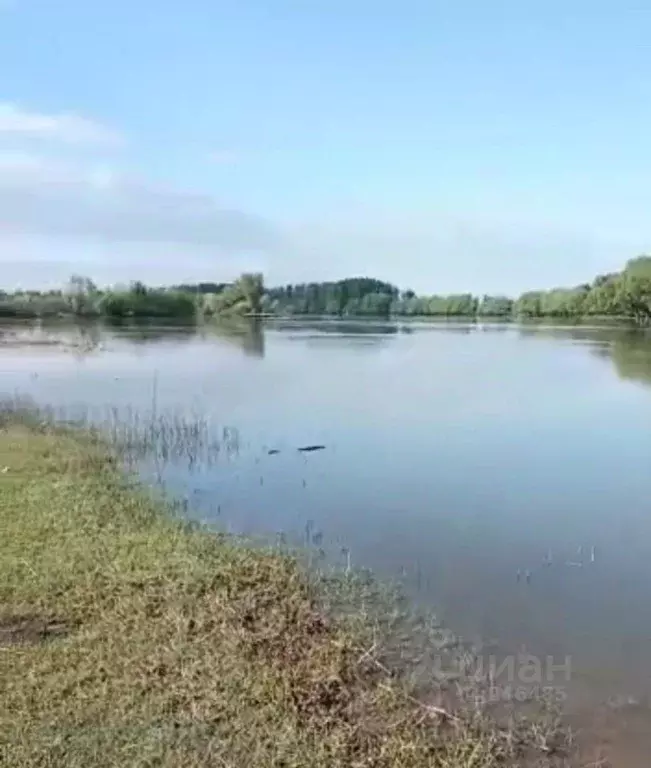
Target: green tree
[
  {"x": 243, "y": 297},
  {"x": 251, "y": 287},
  {"x": 529, "y": 304},
  {"x": 634, "y": 295},
  {"x": 81, "y": 294},
  {"x": 138, "y": 288},
  {"x": 495, "y": 306},
  {"x": 631, "y": 356},
  {"x": 603, "y": 298},
  {"x": 638, "y": 267}
]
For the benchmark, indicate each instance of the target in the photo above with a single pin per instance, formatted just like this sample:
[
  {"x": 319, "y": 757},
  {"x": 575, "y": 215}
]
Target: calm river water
[{"x": 456, "y": 455}]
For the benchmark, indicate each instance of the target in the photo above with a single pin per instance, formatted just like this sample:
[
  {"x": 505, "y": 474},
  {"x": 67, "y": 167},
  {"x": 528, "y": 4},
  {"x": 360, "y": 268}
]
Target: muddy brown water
[{"x": 502, "y": 472}]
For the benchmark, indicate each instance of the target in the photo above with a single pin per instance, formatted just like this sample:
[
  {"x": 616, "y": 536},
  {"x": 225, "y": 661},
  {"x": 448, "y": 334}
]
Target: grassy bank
[{"x": 130, "y": 639}]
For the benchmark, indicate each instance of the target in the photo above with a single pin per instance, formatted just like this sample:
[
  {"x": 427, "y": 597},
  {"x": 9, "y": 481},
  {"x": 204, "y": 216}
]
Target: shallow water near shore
[{"x": 501, "y": 471}]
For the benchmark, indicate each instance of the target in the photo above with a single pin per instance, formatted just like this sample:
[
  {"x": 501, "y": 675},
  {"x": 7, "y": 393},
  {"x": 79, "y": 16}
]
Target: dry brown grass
[{"x": 130, "y": 639}]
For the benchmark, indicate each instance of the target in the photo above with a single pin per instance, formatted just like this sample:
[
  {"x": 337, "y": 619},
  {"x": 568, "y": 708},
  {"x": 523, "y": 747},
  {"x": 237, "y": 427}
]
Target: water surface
[{"x": 456, "y": 455}]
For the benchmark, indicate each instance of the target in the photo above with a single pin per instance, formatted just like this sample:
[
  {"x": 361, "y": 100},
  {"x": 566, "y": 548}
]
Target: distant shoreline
[
  {"x": 72, "y": 319},
  {"x": 624, "y": 294}
]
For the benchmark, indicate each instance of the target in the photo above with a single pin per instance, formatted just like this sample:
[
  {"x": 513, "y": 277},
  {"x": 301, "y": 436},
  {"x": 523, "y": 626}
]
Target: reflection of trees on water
[
  {"x": 462, "y": 330},
  {"x": 628, "y": 349},
  {"x": 142, "y": 331},
  {"x": 89, "y": 335},
  {"x": 336, "y": 327},
  {"x": 247, "y": 334},
  {"x": 353, "y": 328},
  {"x": 631, "y": 357},
  {"x": 363, "y": 334},
  {"x": 587, "y": 334},
  {"x": 86, "y": 340}
]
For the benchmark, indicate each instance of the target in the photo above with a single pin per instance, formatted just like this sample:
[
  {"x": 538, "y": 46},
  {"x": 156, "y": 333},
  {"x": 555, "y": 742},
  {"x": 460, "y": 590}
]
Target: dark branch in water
[{"x": 310, "y": 448}]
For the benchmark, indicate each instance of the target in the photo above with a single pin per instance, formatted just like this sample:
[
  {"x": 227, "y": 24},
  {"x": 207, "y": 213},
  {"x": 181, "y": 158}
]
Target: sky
[{"x": 443, "y": 146}]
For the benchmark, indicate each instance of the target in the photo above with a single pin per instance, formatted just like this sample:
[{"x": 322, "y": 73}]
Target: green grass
[{"x": 128, "y": 638}]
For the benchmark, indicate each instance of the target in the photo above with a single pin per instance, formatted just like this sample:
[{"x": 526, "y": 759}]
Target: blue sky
[{"x": 443, "y": 146}]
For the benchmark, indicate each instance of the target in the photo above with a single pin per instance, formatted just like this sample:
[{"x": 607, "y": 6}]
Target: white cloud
[
  {"x": 44, "y": 197},
  {"x": 67, "y": 128},
  {"x": 59, "y": 216},
  {"x": 61, "y": 211},
  {"x": 28, "y": 261}
]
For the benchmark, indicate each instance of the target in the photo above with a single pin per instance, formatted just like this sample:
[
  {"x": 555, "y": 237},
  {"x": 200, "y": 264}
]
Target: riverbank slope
[{"x": 130, "y": 638}]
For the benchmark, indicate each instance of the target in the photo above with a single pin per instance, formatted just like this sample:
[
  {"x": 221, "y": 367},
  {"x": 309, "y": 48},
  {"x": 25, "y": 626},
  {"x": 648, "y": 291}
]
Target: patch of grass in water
[
  {"x": 181, "y": 647},
  {"x": 133, "y": 435}
]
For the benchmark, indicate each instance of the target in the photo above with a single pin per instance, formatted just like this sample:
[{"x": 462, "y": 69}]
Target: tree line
[
  {"x": 82, "y": 298},
  {"x": 625, "y": 294}
]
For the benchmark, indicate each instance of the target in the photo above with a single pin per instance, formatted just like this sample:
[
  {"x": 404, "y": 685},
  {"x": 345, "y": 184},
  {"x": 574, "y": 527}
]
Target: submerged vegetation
[
  {"x": 624, "y": 295},
  {"x": 131, "y": 637}
]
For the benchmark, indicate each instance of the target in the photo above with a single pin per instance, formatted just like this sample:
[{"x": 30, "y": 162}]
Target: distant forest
[{"x": 625, "y": 294}]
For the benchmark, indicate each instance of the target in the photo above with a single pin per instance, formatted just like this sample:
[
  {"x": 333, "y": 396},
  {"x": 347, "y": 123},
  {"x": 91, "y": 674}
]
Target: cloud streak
[
  {"x": 62, "y": 210},
  {"x": 59, "y": 208},
  {"x": 66, "y": 128},
  {"x": 44, "y": 197}
]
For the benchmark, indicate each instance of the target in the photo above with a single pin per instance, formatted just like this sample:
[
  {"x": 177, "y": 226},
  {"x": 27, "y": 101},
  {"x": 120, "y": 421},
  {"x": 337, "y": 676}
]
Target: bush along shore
[{"x": 129, "y": 637}]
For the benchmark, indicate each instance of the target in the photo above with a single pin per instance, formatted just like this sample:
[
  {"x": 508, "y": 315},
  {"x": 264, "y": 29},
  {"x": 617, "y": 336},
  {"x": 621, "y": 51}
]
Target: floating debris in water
[
  {"x": 527, "y": 576},
  {"x": 273, "y": 452},
  {"x": 547, "y": 561},
  {"x": 310, "y": 448},
  {"x": 572, "y": 564},
  {"x": 518, "y": 575},
  {"x": 579, "y": 550},
  {"x": 592, "y": 555}
]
